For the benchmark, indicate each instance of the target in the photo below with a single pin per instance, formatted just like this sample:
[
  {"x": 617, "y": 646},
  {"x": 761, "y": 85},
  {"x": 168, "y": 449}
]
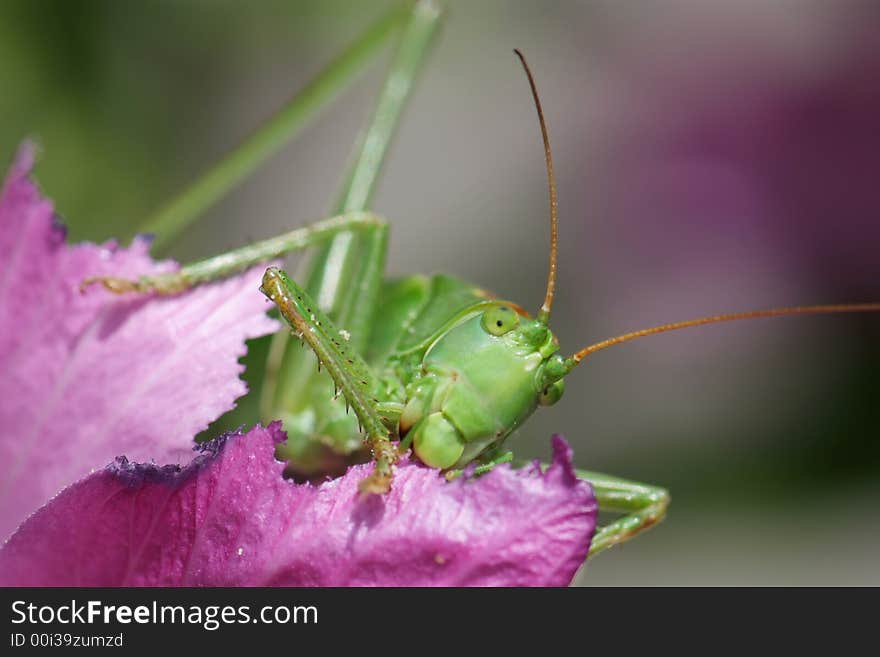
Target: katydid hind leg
[{"x": 344, "y": 275}]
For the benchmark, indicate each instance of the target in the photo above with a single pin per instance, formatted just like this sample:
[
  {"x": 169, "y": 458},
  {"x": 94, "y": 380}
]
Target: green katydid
[{"x": 428, "y": 363}]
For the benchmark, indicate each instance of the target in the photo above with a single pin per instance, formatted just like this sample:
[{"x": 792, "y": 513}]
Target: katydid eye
[
  {"x": 500, "y": 319},
  {"x": 551, "y": 393}
]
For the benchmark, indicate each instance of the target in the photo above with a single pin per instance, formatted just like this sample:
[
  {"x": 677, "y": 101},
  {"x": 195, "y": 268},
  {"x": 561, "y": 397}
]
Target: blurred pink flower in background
[
  {"x": 747, "y": 138},
  {"x": 731, "y": 165}
]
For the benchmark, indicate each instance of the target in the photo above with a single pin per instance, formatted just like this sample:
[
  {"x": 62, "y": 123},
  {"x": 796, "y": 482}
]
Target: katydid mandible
[{"x": 428, "y": 363}]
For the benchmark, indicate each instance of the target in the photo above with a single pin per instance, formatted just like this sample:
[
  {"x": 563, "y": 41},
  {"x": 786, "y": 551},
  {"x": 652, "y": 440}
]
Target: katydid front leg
[
  {"x": 486, "y": 464},
  {"x": 350, "y": 373},
  {"x": 233, "y": 262}
]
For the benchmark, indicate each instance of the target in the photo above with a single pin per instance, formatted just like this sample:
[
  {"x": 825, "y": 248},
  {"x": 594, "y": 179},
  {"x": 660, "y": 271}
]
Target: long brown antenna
[
  {"x": 773, "y": 312},
  {"x": 544, "y": 313}
]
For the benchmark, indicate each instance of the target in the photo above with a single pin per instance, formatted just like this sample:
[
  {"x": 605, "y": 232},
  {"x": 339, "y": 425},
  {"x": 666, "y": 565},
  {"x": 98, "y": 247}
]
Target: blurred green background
[{"x": 710, "y": 157}]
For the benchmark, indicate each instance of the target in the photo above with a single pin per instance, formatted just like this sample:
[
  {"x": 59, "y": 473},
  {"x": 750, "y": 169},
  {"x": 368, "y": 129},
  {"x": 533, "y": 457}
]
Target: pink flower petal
[
  {"x": 84, "y": 377},
  {"x": 230, "y": 519}
]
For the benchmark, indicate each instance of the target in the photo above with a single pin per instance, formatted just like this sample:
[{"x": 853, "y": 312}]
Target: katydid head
[
  {"x": 494, "y": 365},
  {"x": 483, "y": 377}
]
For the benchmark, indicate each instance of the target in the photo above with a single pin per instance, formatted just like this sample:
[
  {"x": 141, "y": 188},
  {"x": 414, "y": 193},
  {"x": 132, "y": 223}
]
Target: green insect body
[
  {"x": 455, "y": 372},
  {"x": 429, "y": 363},
  {"x": 478, "y": 380}
]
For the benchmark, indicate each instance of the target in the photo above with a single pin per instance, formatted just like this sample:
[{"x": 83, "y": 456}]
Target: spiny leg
[
  {"x": 238, "y": 260},
  {"x": 352, "y": 376},
  {"x": 643, "y": 505},
  {"x": 347, "y": 292}
]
